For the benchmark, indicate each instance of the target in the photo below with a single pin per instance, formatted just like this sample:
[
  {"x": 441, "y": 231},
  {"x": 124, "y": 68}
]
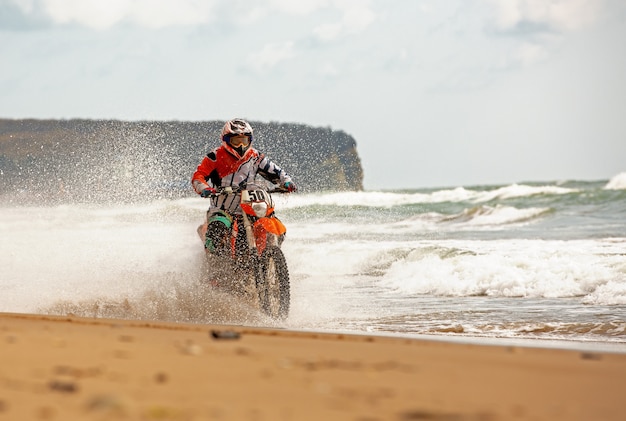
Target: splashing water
[{"x": 519, "y": 261}]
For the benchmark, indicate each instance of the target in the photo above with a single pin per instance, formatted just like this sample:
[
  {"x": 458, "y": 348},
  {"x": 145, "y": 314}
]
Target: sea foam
[
  {"x": 618, "y": 182},
  {"x": 391, "y": 199}
]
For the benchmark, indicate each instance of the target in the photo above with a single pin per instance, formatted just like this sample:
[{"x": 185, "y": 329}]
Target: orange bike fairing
[
  {"x": 264, "y": 226},
  {"x": 272, "y": 225}
]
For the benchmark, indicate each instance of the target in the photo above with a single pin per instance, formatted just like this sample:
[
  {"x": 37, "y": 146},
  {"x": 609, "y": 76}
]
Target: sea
[{"x": 541, "y": 263}]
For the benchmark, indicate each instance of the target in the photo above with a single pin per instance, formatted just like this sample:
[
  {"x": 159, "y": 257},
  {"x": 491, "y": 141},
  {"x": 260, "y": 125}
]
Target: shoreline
[
  {"x": 71, "y": 368},
  {"x": 587, "y": 345}
]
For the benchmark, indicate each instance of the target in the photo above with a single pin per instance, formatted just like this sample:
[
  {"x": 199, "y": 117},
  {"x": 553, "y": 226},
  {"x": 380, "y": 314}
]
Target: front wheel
[{"x": 273, "y": 285}]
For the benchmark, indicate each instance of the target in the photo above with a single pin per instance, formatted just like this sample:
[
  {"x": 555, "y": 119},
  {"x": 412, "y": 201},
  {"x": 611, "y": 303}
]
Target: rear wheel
[{"x": 273, "y": 287}]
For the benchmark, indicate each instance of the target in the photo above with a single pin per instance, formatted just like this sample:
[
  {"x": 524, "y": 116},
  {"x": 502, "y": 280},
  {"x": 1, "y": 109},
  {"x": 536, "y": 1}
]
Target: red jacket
[{"x": 224, "y": 167}]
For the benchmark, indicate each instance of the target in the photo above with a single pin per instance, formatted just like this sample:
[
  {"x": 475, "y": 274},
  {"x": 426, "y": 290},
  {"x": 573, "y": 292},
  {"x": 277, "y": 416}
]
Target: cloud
[
  {"x": 154, "y": 14},
  {"x": 21, "y": 15},
  {"x": 300, "y": 7},
  {"x": 271, "y": 55},
  {"x": 101, "y": 15},
  {"x": 531, "y": 53},
  {"x": 356, "y": 17},
  {"x": 542, "y": 15},
  {"x": 536, "y": 28},
  {"x": 25, "y": 5},
  {"x": 328, "y": 31},
  {"x": 329, "y": 70}
]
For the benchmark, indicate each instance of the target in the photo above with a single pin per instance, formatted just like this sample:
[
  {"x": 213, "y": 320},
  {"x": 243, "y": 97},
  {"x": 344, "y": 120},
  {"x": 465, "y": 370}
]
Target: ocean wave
[
  {"x": 496, "y": 215},
  {"x": 618, "y": 182},
  {"x": 520, "y": 190},
  {"x": 610, "y": 293},
  {"x": 383, "y": 199},
  {"x": 374, "y": 198},
  {"x": 482, "y": 217},
  {"x": 522, "y": 268},
  {"x": 615, "y": 330}
]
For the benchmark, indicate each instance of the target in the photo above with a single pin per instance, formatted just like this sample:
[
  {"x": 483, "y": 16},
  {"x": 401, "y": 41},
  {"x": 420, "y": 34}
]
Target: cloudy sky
[{"x": 436, "y": 93}]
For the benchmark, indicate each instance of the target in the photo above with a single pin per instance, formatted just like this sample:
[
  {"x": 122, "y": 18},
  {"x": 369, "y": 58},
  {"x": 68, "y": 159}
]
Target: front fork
[
  {"x": 250, "y": 235},
  {"x": 269, "y": 240}
]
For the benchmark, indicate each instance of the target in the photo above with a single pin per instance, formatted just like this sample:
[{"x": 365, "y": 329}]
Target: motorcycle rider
[{"x": 234, "y": 163}]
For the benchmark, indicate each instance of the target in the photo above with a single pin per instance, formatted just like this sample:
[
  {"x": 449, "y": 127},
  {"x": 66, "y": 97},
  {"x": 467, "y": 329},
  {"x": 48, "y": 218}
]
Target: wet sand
[{"x": 71, "y": 368}]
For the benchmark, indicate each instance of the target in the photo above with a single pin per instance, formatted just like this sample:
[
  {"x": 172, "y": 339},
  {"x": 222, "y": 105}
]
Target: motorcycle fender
[
  {"x": 223, "y": 217},
  {"x": 271, "y": 225},
  {"x": 264, "y": 226}
]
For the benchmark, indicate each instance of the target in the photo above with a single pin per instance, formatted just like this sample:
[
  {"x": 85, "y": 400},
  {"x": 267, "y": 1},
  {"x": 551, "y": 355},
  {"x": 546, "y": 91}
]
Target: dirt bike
[{"x": 243, "y": 246}]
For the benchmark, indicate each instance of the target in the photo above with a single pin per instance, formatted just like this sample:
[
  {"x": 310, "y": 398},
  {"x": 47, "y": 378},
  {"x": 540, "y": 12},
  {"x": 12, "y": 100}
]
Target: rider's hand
[
  {"x": 290, "y": 186},
  {"x": 207, "y": 192}
]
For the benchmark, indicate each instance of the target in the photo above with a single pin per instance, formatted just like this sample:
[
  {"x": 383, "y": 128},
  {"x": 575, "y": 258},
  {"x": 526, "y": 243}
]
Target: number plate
[{"x": 248, "y": 196}]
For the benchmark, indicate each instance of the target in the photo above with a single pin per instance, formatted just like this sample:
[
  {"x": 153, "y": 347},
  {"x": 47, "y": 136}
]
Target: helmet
[{"x": 236, "y": 127}]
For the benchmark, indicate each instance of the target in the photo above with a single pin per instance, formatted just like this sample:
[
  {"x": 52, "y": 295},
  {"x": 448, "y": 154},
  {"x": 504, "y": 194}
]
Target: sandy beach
[{"x": 71, "y": 368}]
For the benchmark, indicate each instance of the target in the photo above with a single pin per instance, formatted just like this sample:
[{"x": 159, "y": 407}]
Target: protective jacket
[{"x": 223, "y": 167}]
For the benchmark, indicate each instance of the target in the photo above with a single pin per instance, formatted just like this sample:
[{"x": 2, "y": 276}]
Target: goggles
[{"x": 239, "y": 140}]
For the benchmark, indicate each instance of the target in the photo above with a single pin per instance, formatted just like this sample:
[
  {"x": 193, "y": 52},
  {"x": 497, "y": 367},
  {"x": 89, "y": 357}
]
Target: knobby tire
[{"x": 273, "y": 283}]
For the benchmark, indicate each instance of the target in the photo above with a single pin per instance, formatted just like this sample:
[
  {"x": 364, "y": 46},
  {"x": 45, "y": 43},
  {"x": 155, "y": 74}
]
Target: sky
[{"x": 436, "y": 93}]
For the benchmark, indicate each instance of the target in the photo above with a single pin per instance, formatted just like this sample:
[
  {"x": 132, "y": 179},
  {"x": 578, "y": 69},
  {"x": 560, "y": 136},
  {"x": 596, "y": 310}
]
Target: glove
[
  {"x": 207, "y": 192},
  {"x": 290, "y": 187}
]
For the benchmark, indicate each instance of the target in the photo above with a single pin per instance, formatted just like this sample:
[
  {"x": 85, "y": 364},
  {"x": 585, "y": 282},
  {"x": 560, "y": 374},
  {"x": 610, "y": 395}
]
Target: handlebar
[
  {"x": 279, "y": 189},
  {"x": 231, "y": 190}
]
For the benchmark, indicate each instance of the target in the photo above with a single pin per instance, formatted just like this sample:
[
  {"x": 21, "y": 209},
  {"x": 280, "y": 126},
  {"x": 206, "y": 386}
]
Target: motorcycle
[{"x": 243, "y": 247}]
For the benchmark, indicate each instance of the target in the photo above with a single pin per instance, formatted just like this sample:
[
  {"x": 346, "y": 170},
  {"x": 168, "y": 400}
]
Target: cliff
[{"x": 104, "y": 160}]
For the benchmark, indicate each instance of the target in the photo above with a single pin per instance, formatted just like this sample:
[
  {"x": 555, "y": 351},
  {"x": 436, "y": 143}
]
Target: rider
[{"x": 234, "y": 163}]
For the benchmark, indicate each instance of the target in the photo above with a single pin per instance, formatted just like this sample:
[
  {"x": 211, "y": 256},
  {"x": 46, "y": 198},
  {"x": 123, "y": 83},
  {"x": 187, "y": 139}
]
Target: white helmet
[{"x": 235, "y": 127}]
